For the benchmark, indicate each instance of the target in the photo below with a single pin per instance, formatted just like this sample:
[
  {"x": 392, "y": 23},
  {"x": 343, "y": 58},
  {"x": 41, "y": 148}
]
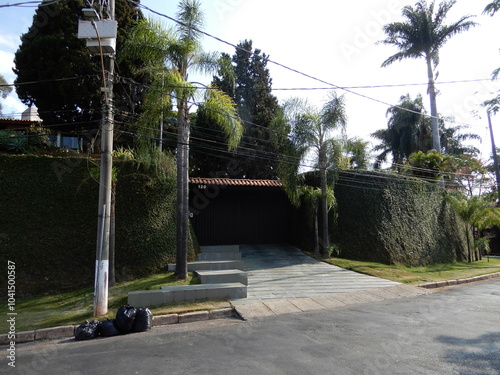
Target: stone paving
[
  {"x": 281, "y": 280},
  {"x": 282, "y": 272}
]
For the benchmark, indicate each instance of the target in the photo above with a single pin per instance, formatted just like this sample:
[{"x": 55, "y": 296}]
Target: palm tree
[
  {"x": 492, "y": 7},
  {"x": 311, "y": 131},
  {"x": 493, "y": 105},
  {"x": 476, "y": 212},
  {"x": 407, "y": 131},
  {"x": 422, "y": 35},
  {"x": 172, "y": 55}
]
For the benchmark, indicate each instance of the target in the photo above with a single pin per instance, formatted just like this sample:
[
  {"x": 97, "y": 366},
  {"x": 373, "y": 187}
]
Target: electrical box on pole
[{"x": 99, "y": 34}]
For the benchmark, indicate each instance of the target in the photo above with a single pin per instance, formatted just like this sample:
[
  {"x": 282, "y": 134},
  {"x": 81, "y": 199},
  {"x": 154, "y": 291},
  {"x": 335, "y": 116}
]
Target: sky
[{"x": 329, "y": 44}]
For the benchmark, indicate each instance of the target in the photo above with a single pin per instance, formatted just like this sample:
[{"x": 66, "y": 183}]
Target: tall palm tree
[
  {"x": 422, "y": 35},
  {"x": 407, "y": 131},
  {"x": 173, "y": 54},
  {"x": 311, "y": 130}
]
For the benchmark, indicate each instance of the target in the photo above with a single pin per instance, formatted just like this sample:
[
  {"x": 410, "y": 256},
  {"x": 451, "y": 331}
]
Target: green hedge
[
  {"x": 395, "y": 220},
  {"x": 386, "y": 218},
  {"x": 48, "y": 222}
]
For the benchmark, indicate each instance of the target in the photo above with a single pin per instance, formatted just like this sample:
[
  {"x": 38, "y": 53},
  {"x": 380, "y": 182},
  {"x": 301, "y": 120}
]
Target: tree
[
  {"x": 246, "y": 78},
  {"x": 178, "y": 51},
  {"x": 406, "y": 133},
  {"x": 493, "y": 105},
  {"x": 476, "y": 212},
  {"x": 56, "y": 73},
  {"x": 421, "y": 36},
  {"x": 492, "y": 7},
  {"x": 452, "y": 141},
  {"x": 4, "y": 90},
  {"x": 311, "y": 131},
  {"x": 348, "y": 153}
]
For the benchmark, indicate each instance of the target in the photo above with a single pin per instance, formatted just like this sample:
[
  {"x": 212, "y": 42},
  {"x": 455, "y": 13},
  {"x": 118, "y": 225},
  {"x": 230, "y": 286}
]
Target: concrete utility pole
[
  {"x": 101, "y": 40},
  {"x": 105, "y": 182},
  {"x": 495, "y": 159}
]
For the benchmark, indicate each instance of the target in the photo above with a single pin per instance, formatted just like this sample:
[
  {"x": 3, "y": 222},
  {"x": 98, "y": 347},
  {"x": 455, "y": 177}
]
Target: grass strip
[
  {"x": 421, "y": 275},
  {"x": 76, "y": 307}
]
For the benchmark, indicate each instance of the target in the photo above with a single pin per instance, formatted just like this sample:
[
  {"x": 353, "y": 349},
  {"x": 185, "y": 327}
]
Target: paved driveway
[{"x": 284, "y": 272}]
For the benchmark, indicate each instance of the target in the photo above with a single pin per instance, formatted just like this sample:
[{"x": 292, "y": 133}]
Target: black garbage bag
[
  {"x": 143, "y": 320},
  {"x": 125, "y": 317},
  {"x": 108, "y": 328},
  {"x": 87, "y": 330}
]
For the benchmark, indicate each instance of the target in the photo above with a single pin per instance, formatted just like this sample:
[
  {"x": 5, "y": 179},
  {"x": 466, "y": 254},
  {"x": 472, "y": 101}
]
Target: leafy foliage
[
  {"x": 476, "y": 212},
  {"x": 67, "y": 79},
  {"x": 421, "y": 35},
  {"x": 51, "y": 236},
  {"x": 387, "y": 218},
  {"x": 4, "y": 90},
  {"x": 245, "y": 77}
]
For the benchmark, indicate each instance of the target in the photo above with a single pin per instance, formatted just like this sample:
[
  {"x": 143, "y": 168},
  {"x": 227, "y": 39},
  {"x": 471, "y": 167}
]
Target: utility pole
[
  {"x": 495, "y": 159},
  {"x": 101, "y": 40}
]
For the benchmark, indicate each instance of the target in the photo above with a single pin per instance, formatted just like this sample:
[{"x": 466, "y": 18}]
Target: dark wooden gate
[{"x": 226, "y": 215}]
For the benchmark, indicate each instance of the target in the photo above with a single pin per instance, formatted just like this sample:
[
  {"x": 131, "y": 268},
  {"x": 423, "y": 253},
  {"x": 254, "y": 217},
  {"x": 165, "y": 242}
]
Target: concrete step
[
  {"x": 182, "y": 293},
  {"x": 220, "y": 249},
  {"x": 212, "y": 265},
  {"x": 223, "y": 276},
  {"x": 219, "y": 256}
]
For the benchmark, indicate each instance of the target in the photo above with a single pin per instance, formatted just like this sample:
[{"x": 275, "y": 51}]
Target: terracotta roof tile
[{"x": 234, "y": 182}]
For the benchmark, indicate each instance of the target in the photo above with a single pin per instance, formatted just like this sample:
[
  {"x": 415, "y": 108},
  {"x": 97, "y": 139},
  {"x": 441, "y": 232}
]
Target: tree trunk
[
  {"x": 468, "y": 243},
  {"x": 316, "y": 228},
  {"x": 436, "y": 142},
  {"x": 182, "y": 190},
  {"x": 325, "y": 241}
]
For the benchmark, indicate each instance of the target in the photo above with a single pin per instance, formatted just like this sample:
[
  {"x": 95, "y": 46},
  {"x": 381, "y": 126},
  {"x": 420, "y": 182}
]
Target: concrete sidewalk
[{"x": 281, "y": 279}]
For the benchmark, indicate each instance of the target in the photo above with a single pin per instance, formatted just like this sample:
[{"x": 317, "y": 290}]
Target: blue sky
[{"x": 333, "y": 41}]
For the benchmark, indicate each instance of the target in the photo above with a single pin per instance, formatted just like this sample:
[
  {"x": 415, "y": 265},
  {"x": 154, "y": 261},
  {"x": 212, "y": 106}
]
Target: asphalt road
[{"x": 455, "y": 331}]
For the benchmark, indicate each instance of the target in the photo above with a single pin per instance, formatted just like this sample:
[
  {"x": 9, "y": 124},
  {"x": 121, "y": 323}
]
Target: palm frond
[{"x": 222, "y": 110}]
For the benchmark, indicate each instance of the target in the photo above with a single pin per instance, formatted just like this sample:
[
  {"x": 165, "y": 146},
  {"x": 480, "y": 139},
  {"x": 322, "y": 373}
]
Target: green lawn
[
  {"x": 76, "y": 307},
  {"x": 421, "y": 275}
]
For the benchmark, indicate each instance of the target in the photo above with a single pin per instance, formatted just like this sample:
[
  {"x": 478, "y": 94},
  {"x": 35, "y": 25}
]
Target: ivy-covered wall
[
  {"x": 394, "y": 220},
  {"x": 48, "y": 222}
]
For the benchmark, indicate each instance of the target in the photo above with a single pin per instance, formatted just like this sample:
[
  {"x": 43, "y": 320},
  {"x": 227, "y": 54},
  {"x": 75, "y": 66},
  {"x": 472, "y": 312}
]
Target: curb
[
  {"x": 65, "y": 332},
  {"x": 442, "y": 284}
]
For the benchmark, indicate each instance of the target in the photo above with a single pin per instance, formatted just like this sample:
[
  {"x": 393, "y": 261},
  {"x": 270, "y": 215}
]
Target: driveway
[{"x": 284, "y": 272}]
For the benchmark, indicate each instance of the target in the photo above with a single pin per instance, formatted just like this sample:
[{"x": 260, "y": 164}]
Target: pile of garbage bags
[{"x": 128, "y": 319}]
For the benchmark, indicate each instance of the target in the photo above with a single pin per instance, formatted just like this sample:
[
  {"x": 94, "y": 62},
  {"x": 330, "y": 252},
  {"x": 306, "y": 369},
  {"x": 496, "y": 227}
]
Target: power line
[{"x": 332, "y": 85}]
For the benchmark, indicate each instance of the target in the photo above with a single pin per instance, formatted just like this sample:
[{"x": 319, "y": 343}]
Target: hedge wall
[
  {"x": 394, "y": 220},
  {"x": 48, "y": 222}
]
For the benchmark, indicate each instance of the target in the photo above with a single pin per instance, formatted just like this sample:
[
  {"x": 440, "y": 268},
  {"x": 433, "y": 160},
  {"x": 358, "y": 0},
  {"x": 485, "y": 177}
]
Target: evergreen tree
[
  {"x": 67, "y": 79},
  {"x": 247, "y": 80}
]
